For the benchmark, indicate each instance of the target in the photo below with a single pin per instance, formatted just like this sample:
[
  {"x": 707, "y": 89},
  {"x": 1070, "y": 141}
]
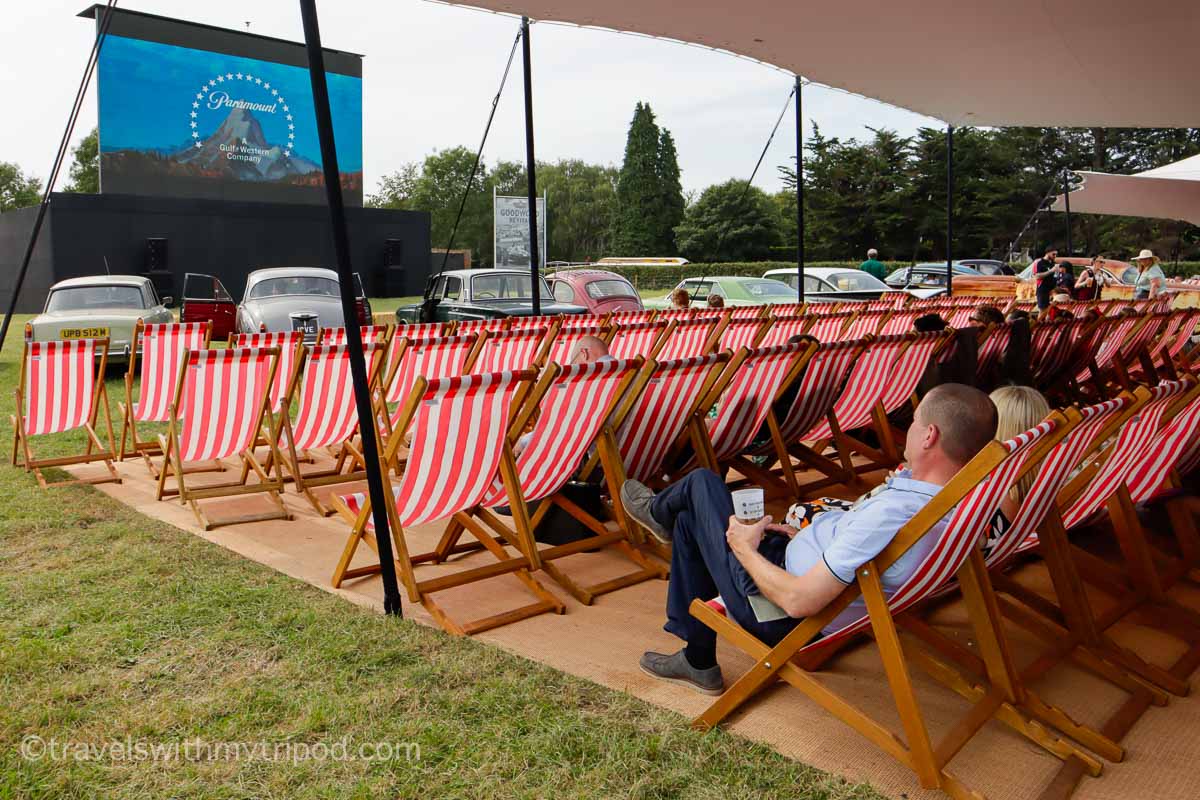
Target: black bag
[{"x": 559, "y": 527}]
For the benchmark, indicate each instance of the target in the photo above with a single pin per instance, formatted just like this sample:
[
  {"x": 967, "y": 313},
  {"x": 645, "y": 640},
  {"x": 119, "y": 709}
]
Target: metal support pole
[
  {"x": 531, "y": 169},
  {"x": 799, "y": 192},
  {"x": 346, "y": 284},
  {"x": 1067, "y": 201},
  {"x": 949, "y": 210}
]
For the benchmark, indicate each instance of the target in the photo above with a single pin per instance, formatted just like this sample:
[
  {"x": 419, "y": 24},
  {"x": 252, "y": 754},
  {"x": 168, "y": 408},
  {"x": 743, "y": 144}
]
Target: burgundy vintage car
[{"x": 597, "y": 290}]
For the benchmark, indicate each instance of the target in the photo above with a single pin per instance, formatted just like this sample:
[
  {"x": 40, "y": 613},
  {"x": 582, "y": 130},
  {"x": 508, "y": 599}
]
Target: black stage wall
[{"x": 209, "y": 236}]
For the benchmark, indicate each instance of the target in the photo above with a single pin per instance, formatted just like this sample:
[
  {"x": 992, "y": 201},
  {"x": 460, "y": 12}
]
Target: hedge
[{"x": 657, "y": 278}]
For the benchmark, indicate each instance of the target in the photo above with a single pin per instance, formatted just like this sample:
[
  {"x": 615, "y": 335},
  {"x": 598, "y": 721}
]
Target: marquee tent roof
[
  {"x": 1073, "y": 63},
  {"x": 1169, "y": 192}
]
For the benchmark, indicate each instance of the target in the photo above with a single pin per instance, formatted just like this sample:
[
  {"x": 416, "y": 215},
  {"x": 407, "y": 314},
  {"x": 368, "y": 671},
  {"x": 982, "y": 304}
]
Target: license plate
[
  {"x": 82, "y": 333},
  {"x": 309, "y": 326}
]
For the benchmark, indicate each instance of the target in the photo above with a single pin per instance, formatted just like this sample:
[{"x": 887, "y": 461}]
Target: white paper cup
[{"x": 748, "y": 504}]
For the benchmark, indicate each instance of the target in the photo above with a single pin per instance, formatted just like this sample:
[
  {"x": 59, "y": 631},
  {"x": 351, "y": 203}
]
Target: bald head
[
  {"x": 965, "y": 419},
  {"x": 588, "y": 349}
]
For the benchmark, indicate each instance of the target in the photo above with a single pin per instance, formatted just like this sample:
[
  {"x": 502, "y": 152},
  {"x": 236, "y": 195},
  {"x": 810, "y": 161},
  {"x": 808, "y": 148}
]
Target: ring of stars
[{"x": 239, "y": 76}]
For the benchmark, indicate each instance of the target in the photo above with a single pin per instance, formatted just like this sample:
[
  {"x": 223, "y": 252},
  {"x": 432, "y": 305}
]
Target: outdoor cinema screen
[{"x": 192, "y": 111}]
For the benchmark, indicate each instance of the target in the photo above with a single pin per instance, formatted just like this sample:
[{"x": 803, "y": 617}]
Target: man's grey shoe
[
  {"x": 636, "y": 498},
  {"x": 676, "y": 669}
]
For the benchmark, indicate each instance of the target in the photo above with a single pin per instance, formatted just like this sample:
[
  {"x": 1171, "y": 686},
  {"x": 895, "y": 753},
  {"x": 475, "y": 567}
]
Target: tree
[
  {"x": 649, "y": 195},
  {"x": 85, "y": 165},
  {"x": 17, "y": 190},
  {"x": 670, "y": 191},
  {"x": 731, "y": 221},
  {"x": 396, "y": 190}
]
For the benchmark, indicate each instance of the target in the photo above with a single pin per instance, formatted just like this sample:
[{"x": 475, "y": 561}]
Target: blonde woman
[{"x": 1018, "y": 408}]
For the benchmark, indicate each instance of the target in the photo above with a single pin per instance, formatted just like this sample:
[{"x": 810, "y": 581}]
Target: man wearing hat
[{"x": 1150, "y": 279}]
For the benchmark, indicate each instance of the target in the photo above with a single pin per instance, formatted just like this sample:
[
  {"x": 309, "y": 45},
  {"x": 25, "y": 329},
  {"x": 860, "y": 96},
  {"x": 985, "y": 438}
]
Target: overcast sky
[{"x": 431, "y": 71}]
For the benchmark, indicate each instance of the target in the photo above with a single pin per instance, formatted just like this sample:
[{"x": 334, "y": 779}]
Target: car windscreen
[
  {"x": 898, "y": 278},
  {"x": 766, "y": 287},
  {"x": 506, "y": 286},
  {"x": 95, "y": 298},
  {"x": 856, "y": 281},
  {"x": 293, "y": 284},
  {"x": 608, "y": 289}
]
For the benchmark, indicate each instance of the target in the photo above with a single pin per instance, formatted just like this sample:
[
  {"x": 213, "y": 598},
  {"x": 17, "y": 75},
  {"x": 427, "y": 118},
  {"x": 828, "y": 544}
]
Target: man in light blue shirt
[{"x": 797, "y": 571}]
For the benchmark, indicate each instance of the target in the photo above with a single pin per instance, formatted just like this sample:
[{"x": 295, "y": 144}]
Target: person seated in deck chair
[
  {"x": 587, "y": 350},
  {"x": 770, "y": 576}
]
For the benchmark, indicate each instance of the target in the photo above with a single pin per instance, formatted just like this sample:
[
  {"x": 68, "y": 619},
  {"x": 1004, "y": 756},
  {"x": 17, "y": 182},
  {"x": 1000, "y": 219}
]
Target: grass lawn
[{"x": 115, "y": 627}]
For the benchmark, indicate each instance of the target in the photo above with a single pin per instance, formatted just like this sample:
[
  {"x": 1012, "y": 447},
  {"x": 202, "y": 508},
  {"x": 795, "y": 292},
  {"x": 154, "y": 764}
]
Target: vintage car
[
  {"x": 99, "y": 306},
  {"x": 276, "y": 299},
  {"x": 987, "y": 266},
  {"x": 463, "y": 294},
  {"x": 599, "y": 291},
  {"x": 732, "y": 289},
  {"x": 833, "y": 283},
  {"x": 929, "y": 280}
]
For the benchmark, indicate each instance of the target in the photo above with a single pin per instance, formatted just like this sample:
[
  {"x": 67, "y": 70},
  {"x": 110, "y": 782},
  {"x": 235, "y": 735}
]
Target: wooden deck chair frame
[
  {"x": 147, "y": 447},
  {"x": 918, "y": 752},
  {"x": 272, "y": 487},
  {"x": 358, "y": 514},
  {"x": 22, "y": 448},
  {"x": 399, "y": 350},
  {"x": 349, "y": 464}
]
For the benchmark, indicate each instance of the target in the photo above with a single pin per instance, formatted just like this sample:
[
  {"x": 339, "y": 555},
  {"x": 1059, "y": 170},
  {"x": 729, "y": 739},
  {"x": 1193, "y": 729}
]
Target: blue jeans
[{"x": 697, "y": 510}]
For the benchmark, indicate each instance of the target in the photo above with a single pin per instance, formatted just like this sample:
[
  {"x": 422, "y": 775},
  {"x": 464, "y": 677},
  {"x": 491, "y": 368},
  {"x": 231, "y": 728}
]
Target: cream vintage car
[{"x": 99, "y": 306}]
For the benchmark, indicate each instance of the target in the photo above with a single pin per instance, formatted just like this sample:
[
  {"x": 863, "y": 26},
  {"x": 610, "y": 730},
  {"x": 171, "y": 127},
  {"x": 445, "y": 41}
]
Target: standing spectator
[
  {"x": 1045, "y": 274},
  {"x": 680, "y": 299},
  {"x": 1150, "y": 279},
  {"x": 873, "y": 266},
  {"x": 1087, "y": 287}
]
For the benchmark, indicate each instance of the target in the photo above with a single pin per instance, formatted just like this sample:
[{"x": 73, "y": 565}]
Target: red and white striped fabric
[
  {"x": 432, "y": 359},
  {"x": 907, "y": 370},
  {"x": 161, "y": 353},
  {"x": 968, "y": 524},
  {"x": 635, "y": 340},
  {"x": 738, "y": 313},
  {"x": 660, "y": 414},
  {"x": 864, "y": 388},
  {"x": 572, "y": 412},
  {"x": 961, "y": 318},
  {"x": 458, "y": 438},
  {"x": 327, "y": 414},
  {"x": 1144, "y": 336},
  {"x": 828, "y": 328},
  {"x": 818, "y": 389},
  {"x": 631, "y": 317},
  {"x": 674, "y": 315},
  {"x": 369, "y": 333},
  {"x": 1110, "y": 345},
  {"x": 287, "y": 342},
  {"x": 573, "y": 321},
  {"x": 1052, "y": 347},
  {"x": 688, "y": 339},
  {"x": 791, "y": 309},
  {"x": 864, "y": 323},
  {"x": 509, "y": 351},
  {"x": 1050, "y": 478},
  {"x": 992, "y": 350},
  {"x": 526, "y": 323},
  {"x": 899, "y": 322},
  {"x": 466, "y": 326},
  {"x": 781, "y": 329},
  {"x": 60, "y": 385},
  {"x": 1137, "y": 435},
  {"x": 565, "y": 341},
  {"x": 223, "y": 392},
  {"x": 739, "y": 333},
  {"x": 1172, "y": 449},
  {"x": 744, "y": 404},
  {"x": 420, "y": 330}
]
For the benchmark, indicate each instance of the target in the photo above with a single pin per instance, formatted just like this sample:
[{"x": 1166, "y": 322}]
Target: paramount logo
[{"x": 222, "y": 99}]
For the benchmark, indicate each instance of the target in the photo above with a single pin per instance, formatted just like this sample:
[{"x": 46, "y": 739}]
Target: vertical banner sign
[{"x": 510, "y": 237}]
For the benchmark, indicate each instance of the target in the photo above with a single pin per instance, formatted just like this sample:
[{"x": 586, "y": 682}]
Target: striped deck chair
[
  {"x": 1171, "y": 357},
  {"x": 468, "y": 326},
  {"x": 780, "y": 329},
  {"x": 690, "y": 338},
  {"x": 638, "y": 339},
  {"x": 792, "y": 309},
  {"x": 567, "y": 338},
  {"x": 571, "y": 406},
  {"x": 449, "y": 475},
  {"x": 541, "y": 322},
  {"x": 740, "y": 313},
  {"x": 898, "y": 322},
  {"x": 1052, "y": 346},
  {"x": 969, "y": 500},
  {"x": 160, "y": 348},
  {"x": 631, "y": 317},
  {"x": 1110, "y": 339},
  {"x": 221, "y": 401},
  {"x": 739, "y": 333},
  {"x": 377, "y": 334},
  {"x": 993, "y": 344},
  {"x": 817, "y": 391},
  {"x": 866, "y": 323},
  {"x": 61, "y": 388},
  {"x": 510, "y": 351},
  {"x": 829, "y": 327},
  {"x": 421, "y": 330},
  {"x": 1138, "y": 346},
  {"x": 322, "y": 393},
  {"x": 432, "y": 359},
  {"x": 289, "y": 343},
  {"x": 961, "y": 318}
]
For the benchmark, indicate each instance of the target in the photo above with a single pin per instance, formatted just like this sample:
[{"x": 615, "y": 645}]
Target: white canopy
[
  {"x": 1170, "y": 192},
  {"x": 1071, "y": 63}
]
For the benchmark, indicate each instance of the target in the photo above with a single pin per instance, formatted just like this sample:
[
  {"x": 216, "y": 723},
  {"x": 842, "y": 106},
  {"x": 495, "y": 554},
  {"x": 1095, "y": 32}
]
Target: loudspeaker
[
  {"x": 392, "y": 274},
  {"x": 156, "y": 254},
  {"x": 393, "y": 252}
]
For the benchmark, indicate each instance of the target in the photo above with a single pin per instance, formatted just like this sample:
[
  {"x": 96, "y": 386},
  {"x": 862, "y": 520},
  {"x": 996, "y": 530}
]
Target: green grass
[{"x": 113, "y": 625}]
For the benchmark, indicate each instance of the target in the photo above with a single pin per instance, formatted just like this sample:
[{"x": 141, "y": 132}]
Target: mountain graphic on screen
[{"x": 239, "y": 149}]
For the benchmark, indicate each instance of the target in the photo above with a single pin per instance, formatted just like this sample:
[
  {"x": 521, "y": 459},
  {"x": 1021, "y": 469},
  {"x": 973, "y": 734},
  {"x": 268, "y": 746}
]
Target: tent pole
[
  {"x": 1067, "y": 200},
  {"x": 346, "y": 283},
  {"x": 799, "y": 192},
  {"x": 949, "y": 210},
  {"x": 531, "y": 170}
]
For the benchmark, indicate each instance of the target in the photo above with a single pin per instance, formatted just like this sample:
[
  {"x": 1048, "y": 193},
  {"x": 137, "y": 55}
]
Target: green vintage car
[
  {"x": 734, "y": 290},
  {"x": 100, "y": 306},
  {"x": 465, "y": 294}
]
